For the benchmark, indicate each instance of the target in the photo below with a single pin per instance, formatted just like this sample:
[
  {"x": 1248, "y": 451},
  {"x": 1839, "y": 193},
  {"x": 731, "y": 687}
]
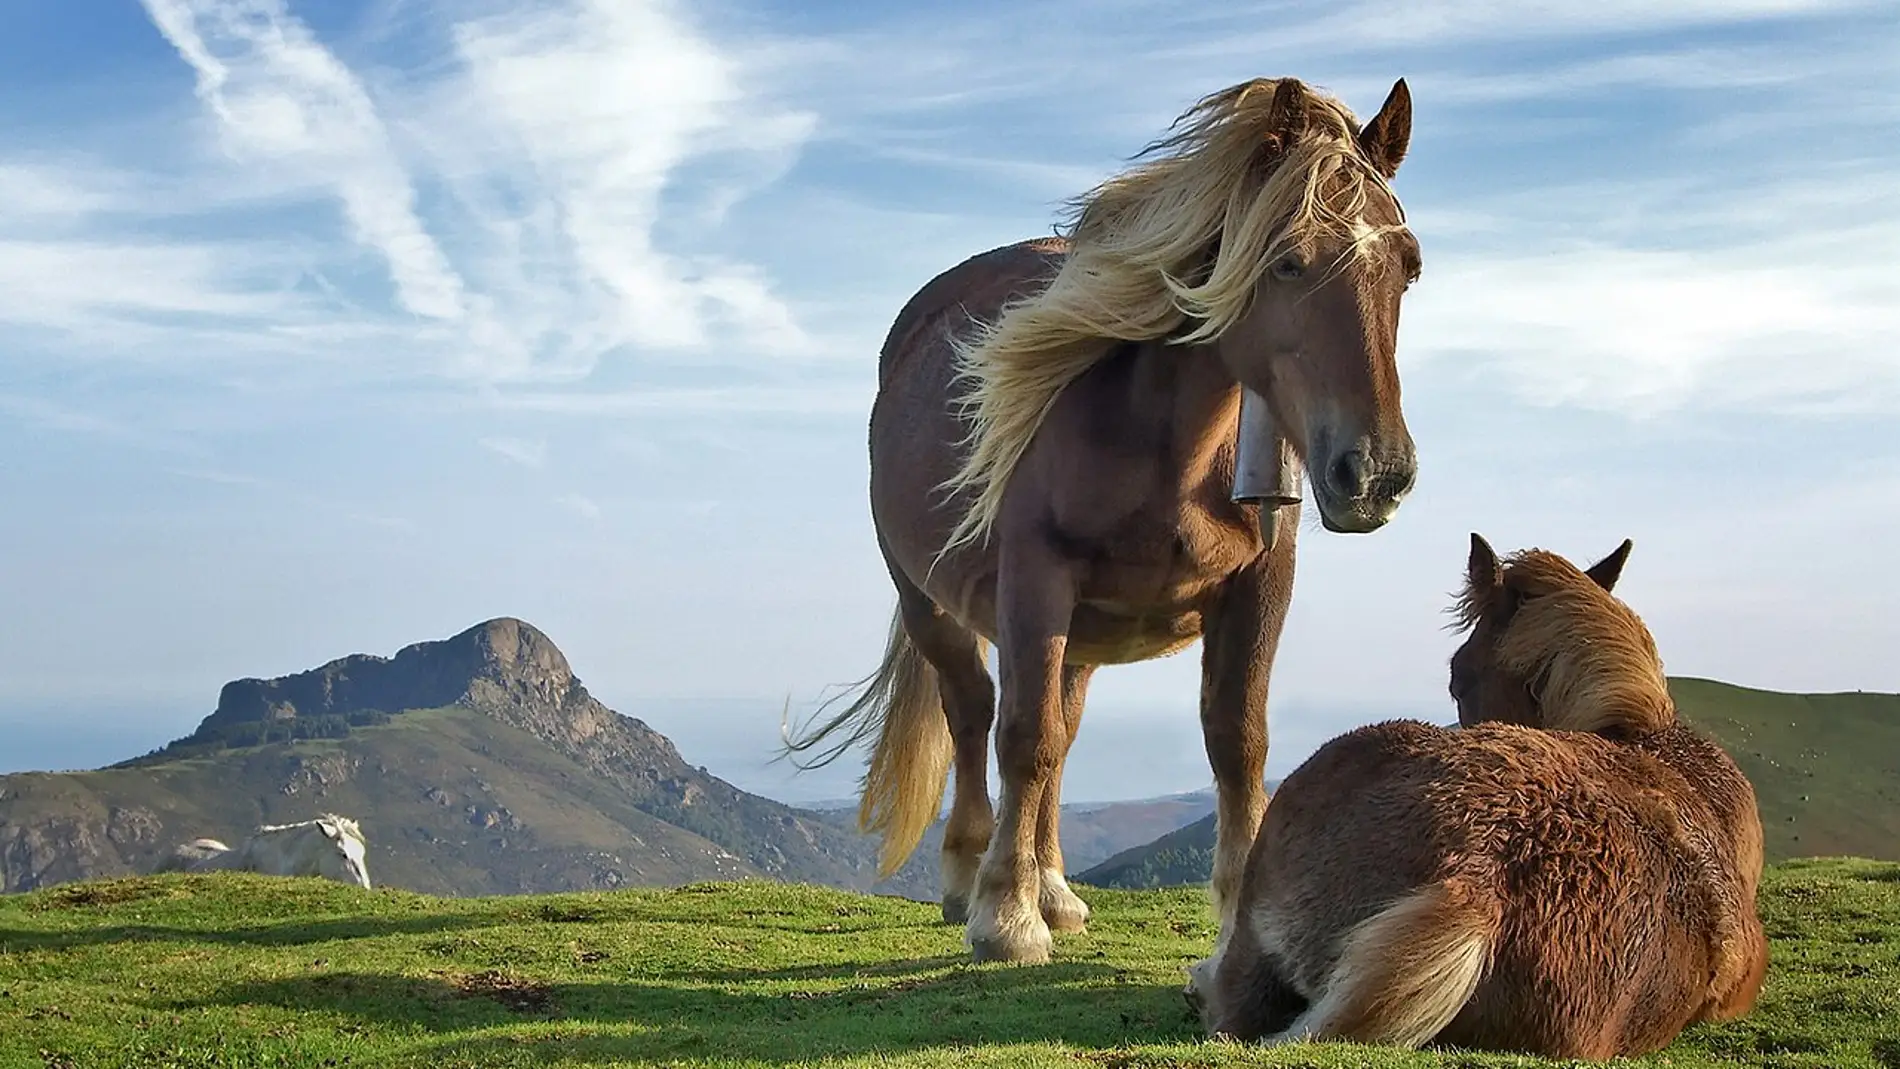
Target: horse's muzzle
[{"x": 1358, "y": 492}]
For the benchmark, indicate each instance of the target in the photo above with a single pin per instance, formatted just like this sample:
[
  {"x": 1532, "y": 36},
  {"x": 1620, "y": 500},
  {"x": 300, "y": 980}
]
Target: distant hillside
[
  {"x": 1826, "y": 767},
  {"x": 1090, "y": 832},
  {"x": 1826, "y": 770},
  {"x": 478, "y": 764}
]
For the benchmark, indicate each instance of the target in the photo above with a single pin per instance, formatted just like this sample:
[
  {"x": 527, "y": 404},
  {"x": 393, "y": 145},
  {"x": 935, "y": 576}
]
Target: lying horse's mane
[
  {"x": 1138, "y": 268},
  {"x": 1592, "y": 661}
]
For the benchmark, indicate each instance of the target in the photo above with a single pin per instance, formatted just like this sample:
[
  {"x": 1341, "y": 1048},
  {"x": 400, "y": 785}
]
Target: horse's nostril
[{"x": 1350, "y": 474}]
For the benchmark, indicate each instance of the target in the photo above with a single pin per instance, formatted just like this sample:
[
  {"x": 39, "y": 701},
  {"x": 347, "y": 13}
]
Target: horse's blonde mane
[
  {"x": 1593, "y": 662},
  {"x": 1139, "y": 265}
]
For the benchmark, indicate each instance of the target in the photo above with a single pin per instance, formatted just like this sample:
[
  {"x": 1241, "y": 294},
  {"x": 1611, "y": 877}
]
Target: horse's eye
[{"x": 1289, "y": 269}]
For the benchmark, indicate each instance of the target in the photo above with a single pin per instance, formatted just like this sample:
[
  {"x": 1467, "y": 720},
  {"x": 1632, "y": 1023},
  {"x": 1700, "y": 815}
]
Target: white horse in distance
[{"x": 329, "y": 846}]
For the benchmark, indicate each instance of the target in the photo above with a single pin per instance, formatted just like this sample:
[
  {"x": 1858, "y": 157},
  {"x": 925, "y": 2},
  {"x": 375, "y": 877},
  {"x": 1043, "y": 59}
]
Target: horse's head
[
  {"x": 343, "y": 857},
  {"x": 1331, "y": 259},
  {"x": 1552, "y": 647}
]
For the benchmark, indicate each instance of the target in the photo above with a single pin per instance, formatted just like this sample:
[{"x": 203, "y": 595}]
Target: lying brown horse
[
  {"x": 1572, "y": 873},
  {"x": 1062, "y": 465}
]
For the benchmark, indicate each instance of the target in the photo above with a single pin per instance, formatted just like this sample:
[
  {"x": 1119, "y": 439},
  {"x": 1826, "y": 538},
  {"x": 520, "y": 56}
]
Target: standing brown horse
[
  {"x": 1571, "y": 874},
  {"x": 1053, "y": 470}
]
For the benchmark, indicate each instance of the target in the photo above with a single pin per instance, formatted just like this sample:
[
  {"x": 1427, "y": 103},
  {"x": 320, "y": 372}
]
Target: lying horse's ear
[
  {"x": 1385, "y": 138},
  {"x": 331, "y": 830},
  {"x": 1607, "y": 571}
]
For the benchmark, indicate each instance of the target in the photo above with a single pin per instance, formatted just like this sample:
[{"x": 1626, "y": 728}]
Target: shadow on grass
[
  {"x": 882, "y": 1007},
  {"x": 283, "y": 933}
]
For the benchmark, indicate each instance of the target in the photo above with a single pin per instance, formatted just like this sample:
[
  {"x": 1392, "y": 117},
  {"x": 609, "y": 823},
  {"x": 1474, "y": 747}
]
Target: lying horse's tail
[
  {"x": 903, "y": 787},
  {"x": 1408, "y": 970}
]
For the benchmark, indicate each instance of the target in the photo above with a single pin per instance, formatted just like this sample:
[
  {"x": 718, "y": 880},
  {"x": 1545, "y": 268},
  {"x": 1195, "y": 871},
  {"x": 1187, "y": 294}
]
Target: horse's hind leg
[
  {"x": 969, "y": 704},
  {"x": 1239, "y": 639},
  {"x": 1061, "y": 908},
  {"x": 1035, "y": 595}
]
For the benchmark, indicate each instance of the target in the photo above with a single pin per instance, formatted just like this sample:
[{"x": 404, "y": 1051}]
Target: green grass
[
  {"x": 232, "y": 970},
  {"x": 1826, "y": 767}
]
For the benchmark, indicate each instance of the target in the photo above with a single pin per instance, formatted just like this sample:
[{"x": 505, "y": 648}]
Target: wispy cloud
[
  {"x": 528, "y": 454},
  {"x": 1651, "y": 297},
  {"x": 548, "y": 192},
  {"x": 222, "y": 478},
  {"x": 551, "y": 188},
  {"x": 282, "y": 99},
  {"x": 585, "y": 507},
  {"x": 840, "y": 399}
]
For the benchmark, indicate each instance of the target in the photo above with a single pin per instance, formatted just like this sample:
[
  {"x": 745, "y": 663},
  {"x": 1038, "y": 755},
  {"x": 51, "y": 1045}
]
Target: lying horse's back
[{"x": 192, "y": 855}]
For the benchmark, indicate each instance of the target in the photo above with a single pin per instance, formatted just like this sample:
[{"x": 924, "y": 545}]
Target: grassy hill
[
  {"x": 1826, "y": 767},
  {"x": 1826, "y": 770},
  {"x": 239, "y": 971}
]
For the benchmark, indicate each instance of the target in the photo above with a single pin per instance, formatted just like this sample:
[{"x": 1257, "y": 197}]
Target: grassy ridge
[
  {"x": 1825, "y": 767},
  {"x": 241, "y": 971}
]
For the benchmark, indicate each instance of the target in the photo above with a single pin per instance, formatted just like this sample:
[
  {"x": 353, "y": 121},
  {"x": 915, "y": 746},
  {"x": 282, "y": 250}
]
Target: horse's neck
[{"x": 1202, "y": 399}]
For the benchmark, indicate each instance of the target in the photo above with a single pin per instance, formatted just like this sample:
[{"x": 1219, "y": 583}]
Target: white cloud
[
  {"x": 1374, "y": 24},
  {"x": 853, "y": 400},
  {"x": 1649, "y": 298},
  {"x": 528, "y": 454},
  {"x": 283, "y": 99},
  {"x": 590, "y": 153},
  {"x": 585, "y": 507},
  {"x": 564, "y": 134}
]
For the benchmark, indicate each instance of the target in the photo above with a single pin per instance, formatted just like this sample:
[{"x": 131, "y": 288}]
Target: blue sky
[{"x": 333, "y": 327}]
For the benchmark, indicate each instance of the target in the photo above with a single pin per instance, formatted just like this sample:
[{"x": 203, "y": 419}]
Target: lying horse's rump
[{"x": 1504, "y": 886}]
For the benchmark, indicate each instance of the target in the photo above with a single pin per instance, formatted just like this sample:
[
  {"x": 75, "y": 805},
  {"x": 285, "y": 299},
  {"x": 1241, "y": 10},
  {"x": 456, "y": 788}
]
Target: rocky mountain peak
[{"x": 503, "y": 658}]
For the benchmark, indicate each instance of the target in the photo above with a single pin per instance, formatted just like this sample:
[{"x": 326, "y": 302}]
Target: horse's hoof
[
  {"x": 1066, "y": 913},
  {"x": 1026, "y": 942},
  {"x": 1196, "y": 1005},
  {"x": 956, "y": 909},
  {"x": 1019, "y": 952}
]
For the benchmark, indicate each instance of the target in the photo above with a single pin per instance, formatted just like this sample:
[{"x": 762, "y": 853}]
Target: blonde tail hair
[
  {"x": 1407, "y": 971},
  {"x": 910, "y": 762}
]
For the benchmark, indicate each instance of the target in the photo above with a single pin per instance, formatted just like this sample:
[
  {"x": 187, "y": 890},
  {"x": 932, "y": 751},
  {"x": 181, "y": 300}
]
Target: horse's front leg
[
  {"x": 1035, "y": 596},
  {"x": 1239, "y": 639}
]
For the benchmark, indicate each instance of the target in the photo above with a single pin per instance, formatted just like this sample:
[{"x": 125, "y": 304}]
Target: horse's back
[
  {"x": 194, "y": 854},
  {"x": 914, "y": 427},
  {"x": 976, "y": 289}
]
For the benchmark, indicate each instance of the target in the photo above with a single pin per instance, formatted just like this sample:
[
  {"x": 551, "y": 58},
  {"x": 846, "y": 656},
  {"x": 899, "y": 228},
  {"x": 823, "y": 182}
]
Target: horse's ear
[
  {"x": 1607, "y": 571},
  {"x": 1286, "y": 115},
  {"x": 1481, "y": 571},
  {"x": 331, "y": 829},
  {"x": 1385, "y": 139}
]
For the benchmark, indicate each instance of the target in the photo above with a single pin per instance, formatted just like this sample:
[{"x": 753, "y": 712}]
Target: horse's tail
[
  {"x": 1407, "y": 971},
  {"x": 910, "y": 762}
]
